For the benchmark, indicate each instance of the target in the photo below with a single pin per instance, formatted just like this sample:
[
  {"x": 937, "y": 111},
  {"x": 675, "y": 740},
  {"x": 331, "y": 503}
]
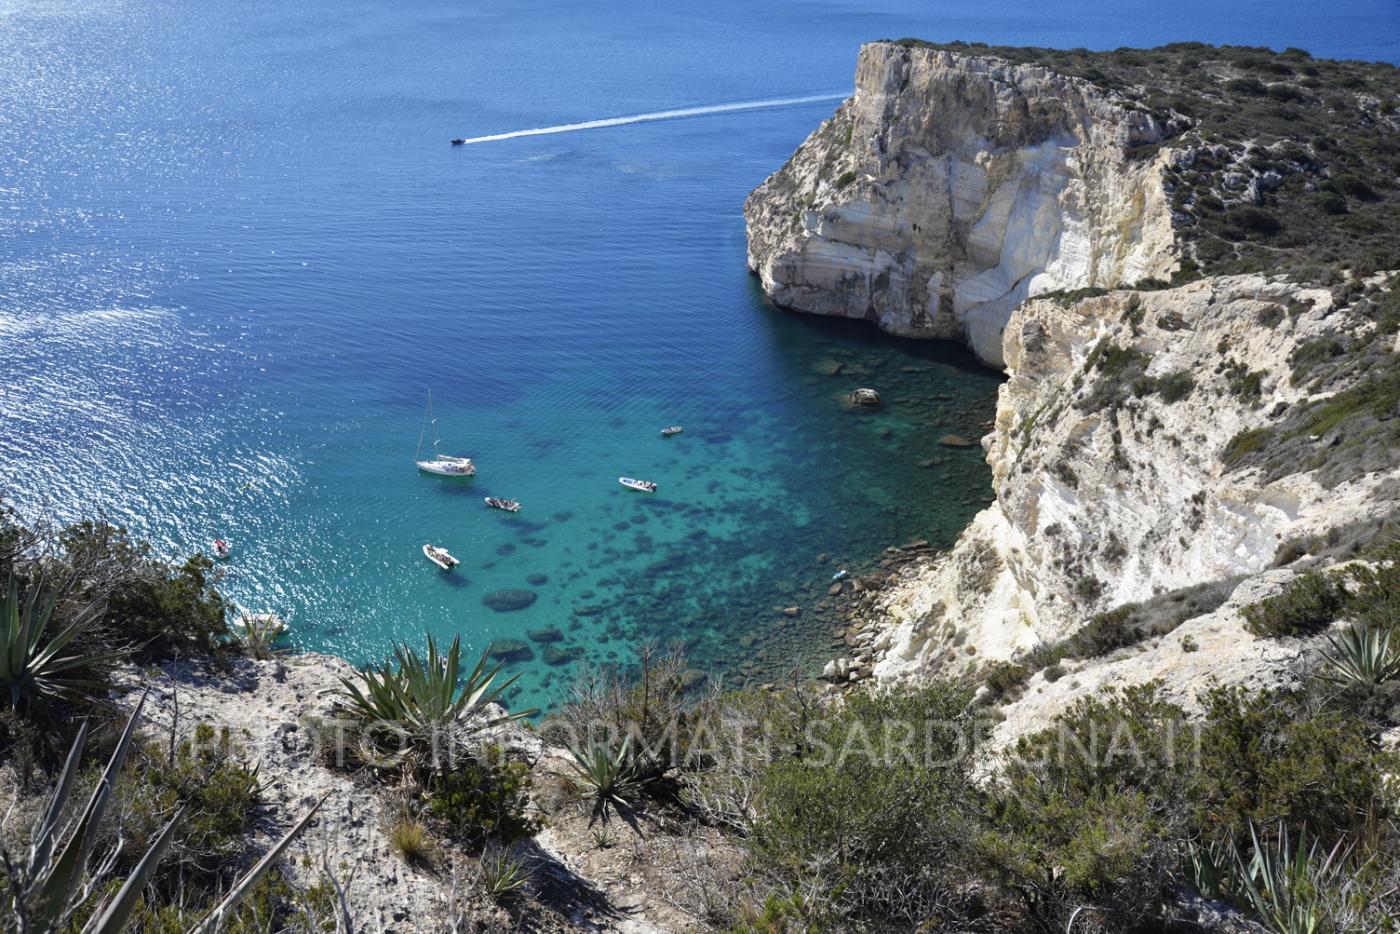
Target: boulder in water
[
  {"x": 510, "y": 650},
  {"x": 863, "y": 396},
  {"x": 548, "y": 634},
  {"x": 955, "y": 441},
  {"x": 504, "y": 601},
  {"x": 554, "y": 655}
]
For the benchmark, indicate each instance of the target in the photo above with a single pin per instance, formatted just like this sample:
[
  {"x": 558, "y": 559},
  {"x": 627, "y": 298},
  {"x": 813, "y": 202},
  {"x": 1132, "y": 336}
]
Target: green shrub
[
  {"x": 482, "y": 799},
  {"x": 649, "y": 706},
  {"x": 1254, "y": 220},
  {"x": 1175, "y": 386},
  {"x": 1269, "y": 759},
  {"x": 155, "y": 608},
  {"x": 844, "y": 179},
  {"x": 1088, "y": 808},
  {"x": 1309, "y": 604},
  {"x": 1246, "y": 443},
  {"x": 219, "y": 795},
  {"x": 876, "y": 806},
  {"x": 1312, "y": 353}
]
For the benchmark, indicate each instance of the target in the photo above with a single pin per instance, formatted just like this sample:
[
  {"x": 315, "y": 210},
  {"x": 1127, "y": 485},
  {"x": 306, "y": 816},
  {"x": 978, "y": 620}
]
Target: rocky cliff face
[
  {"x": 949, "y": 188},
  {"x": 1119, "y": 470},
  {"x": 1171, "y": 448}
]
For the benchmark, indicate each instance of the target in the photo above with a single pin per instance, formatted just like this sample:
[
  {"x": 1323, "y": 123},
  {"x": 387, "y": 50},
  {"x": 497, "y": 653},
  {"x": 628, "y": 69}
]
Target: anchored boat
[
  {"x": 673, "y": 430},
  {"x": 509, "y": 505},
  {"x": 645, "y": 486},
  {"x": 222, "y": 549},
  {"x": 444, "y": 465},
  {"x": 440, "y": 557}
]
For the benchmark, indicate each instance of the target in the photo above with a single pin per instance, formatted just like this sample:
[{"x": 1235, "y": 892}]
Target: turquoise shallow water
[{"x": 236, "y": 252}]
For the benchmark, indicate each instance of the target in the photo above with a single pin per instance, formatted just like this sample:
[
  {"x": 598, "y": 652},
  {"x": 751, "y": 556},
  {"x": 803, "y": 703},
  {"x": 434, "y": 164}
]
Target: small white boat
[
  {"x": 841, "y": 575},
  {"x": 646, "y": 486},
  {"x": 509, "y": 505},
  {"x": 222, "y": 549},
  {"x": 440, "y": 557},
  {"x": 444, "y": 465},
  {"x": 673, "y": 430}
]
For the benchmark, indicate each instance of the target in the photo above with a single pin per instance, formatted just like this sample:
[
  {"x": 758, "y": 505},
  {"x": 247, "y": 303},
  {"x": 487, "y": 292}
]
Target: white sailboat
[{"x": 444, "y": 465}]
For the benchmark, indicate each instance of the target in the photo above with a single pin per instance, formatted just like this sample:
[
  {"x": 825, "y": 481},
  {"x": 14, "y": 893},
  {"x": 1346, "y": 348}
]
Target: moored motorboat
[
  {"x": 509, "y": 505},
  {"x": 673, "y": 430},
  {"x": 222, "y": 549},
  {"x": 645, "y": 486},
  {"x": 440, "y": 557}
]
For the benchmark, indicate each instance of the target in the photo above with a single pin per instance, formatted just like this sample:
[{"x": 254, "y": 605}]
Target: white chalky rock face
[
  {"x": 1116, "y": 485},
  {"x": 949, "y": 188}
]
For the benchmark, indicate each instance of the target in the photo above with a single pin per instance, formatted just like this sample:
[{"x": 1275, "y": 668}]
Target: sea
[{"x": 238, "y": 253}]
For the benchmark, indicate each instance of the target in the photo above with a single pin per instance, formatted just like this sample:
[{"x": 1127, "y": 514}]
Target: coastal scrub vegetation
[{"x": 1284, "y": 162}]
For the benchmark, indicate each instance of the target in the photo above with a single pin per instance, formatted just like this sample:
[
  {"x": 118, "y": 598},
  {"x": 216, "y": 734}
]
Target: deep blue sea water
[{"x": 237, "y": 252}]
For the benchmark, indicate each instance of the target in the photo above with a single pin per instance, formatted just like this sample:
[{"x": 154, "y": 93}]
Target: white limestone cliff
[
  {"x": 1109, "y": 491},
  {"x": 949, "y": 188}
]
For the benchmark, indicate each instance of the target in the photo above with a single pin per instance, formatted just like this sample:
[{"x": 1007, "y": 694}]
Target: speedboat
[
  {"x": 447, "y": 466},
  {"x": 458, "y": 142},
  {"x": 222, "y": 549},
  {"x": 673, "y": 430},
  {"x": 440, "y": 557},
  {"x": 509, "y": 505},
  {"x": 646, "y": 486}
]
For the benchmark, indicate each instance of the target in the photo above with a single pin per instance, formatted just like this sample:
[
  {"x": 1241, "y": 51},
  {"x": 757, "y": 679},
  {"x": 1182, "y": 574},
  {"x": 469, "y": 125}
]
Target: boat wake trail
[{"x": 658, "y": 115}]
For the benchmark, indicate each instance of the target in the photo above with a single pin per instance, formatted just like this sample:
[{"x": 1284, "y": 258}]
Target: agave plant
[
  {"x": 1289, "y": 884},
  {"x": 421, "y": 699},
  {"x": 1210, "y": 869},
  {"x": 40, "y": 660},
  {"x": 258, "y": 633},
  {"x": 1362, "y": 655},
  {"x": 503, "y": 875},
  {"x": 49, "y": 884},
  {"x": 607, "y": 777}
]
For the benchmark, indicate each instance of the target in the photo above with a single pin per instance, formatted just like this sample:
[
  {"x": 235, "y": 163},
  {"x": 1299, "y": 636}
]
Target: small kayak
[
  {"x": 440, "y": 557},
  {"x": 222, "y": 549},
  {"x": 645, "y": 486},
  {"x": 509, "y": 505},
  {"x": 673, "y": 430}
]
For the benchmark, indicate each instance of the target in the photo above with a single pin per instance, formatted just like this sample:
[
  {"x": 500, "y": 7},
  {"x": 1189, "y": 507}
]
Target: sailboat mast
[
  {"x": 433, "y": 418},
  {"x": 422, "y": 429}
]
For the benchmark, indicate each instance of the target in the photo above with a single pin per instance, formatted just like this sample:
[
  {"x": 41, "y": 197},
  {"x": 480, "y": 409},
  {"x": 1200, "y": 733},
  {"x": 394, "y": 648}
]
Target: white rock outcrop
[
  {"x": 949, "y": 188},
  {"x": 1111, "y": 469}
]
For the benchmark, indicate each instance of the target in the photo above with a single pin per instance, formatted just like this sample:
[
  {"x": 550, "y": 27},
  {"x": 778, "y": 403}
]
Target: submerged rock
[
  {"x": 955, "y": 441},
  {"x": 863, "y": 396},
  {"x": 537, "y": 580},
  {"x": 510, "y": 650},
  {"x": 504, "y": 601},
  {"x": 555, "y": 655},
  {"x": 548, "y": 634}
]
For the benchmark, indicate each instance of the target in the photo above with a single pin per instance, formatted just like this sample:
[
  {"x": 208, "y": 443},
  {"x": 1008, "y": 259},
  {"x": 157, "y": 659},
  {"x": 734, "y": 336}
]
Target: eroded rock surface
[{"x": 949, "y": 188}]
